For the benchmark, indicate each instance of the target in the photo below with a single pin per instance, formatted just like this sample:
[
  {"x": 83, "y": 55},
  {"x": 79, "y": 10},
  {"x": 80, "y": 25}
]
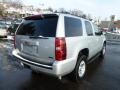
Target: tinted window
[
  {"x": 89, "y": 29},
  {"x": 42, "y": 27},
  {"x": 73, "y": 27}
]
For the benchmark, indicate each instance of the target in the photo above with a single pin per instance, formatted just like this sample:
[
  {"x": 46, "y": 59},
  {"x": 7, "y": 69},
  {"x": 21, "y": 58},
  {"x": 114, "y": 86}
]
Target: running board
[{"x": 93, "y": 58}]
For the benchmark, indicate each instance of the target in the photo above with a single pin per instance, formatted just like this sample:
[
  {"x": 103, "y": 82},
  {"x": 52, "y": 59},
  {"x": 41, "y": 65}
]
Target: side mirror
[{"x": 99, "y": 33}]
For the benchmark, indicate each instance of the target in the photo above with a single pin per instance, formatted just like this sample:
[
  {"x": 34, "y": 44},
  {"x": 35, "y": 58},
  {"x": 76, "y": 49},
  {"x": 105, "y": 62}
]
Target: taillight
[
  {"x": 14, "y": 41},
  {"x": 60, "y": 49}
]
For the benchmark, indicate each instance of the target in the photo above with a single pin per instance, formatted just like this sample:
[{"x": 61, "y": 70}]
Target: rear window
[
  {"x": 45, "y": 27},
  {"x": 73, "y": 27}
]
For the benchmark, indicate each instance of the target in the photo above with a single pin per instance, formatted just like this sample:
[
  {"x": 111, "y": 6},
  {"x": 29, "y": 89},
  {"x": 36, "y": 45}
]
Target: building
[
  {"x": 117, "y": 25},
  {"x": 105, "y": 25}
]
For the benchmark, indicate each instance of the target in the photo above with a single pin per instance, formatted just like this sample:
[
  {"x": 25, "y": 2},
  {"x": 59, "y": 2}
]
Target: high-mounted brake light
[
  {"x": 35, "y": 17},
  {"x": 60, "y": 49}
]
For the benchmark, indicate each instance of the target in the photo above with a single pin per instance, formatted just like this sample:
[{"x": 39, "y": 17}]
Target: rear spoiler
[{"x": 41, "y": 16}]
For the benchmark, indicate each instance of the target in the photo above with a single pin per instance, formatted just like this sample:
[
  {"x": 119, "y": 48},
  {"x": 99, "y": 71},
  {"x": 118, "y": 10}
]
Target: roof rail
[{"x": 81, "y": 16}]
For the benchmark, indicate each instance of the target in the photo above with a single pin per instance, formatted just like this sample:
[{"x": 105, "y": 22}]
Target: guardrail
[{"x": 112, "y": 36}]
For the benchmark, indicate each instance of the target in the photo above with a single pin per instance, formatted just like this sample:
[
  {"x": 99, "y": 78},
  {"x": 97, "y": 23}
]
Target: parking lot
[{"x": 101, "y": 74}]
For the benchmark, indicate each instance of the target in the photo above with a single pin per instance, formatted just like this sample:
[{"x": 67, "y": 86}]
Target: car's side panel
[
  {"x": 90, "y": 41},
  {"x": 45, "y": 51}
]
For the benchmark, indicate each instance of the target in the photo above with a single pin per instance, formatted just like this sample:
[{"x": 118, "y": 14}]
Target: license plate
[{"x": 29, "y": 49}]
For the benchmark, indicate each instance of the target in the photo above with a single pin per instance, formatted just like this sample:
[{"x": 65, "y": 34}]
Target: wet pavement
[{"x": 101, "y": 74}]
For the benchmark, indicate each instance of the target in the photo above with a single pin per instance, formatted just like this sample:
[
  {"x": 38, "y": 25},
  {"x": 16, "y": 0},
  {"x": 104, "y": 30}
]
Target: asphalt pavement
[{"x": 102, "y": 74}]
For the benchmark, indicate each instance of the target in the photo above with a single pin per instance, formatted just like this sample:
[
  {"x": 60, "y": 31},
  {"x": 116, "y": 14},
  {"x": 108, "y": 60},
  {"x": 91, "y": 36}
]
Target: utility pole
[{"x": 111, "y": 24}]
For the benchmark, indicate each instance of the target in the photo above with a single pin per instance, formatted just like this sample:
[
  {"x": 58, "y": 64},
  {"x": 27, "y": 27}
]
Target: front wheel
[{"x": 103, "y": 51}]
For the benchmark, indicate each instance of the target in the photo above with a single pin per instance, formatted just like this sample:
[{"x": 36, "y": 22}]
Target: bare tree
[
  {"x": 111, "y": 24},
  {"x": 12, "y": 3},
  {"x": 84, "y": 16},
  {"x": 15, "y": 3},
  {"x": 76, "y": 12},
  {"x": 5, "y": 4},
  {"x": 62, "y": 10},
  {"x": 38, "y": 10},
  {"x": 50, "y": 9},
  {"x": 2, "y": 9}
]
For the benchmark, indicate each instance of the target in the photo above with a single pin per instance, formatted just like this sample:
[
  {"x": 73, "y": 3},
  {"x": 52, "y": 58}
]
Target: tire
[
  {"x": 80, "y": 69},
  {"x": 102, "y": 53}
]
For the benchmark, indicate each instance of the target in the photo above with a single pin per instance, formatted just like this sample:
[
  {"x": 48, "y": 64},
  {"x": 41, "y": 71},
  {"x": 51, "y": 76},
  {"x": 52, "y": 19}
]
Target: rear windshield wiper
[{"x": 38, "y": 37}]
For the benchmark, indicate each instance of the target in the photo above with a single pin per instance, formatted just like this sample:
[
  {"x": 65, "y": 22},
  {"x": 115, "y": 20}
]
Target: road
[{"x": 101, "y": 74}]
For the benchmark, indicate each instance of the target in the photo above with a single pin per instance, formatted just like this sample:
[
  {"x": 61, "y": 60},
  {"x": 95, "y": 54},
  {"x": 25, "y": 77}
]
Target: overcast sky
[{"x": 97, "y": 8}]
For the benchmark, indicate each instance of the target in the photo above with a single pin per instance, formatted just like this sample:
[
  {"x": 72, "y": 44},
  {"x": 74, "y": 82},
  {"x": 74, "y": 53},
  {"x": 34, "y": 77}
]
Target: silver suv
[{"x": 58, "y": 44}]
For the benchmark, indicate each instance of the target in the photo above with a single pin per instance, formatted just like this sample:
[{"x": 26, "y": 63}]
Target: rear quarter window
[
  {"x": 73, "y": 27},
  {"x": 45, "y": 27}
]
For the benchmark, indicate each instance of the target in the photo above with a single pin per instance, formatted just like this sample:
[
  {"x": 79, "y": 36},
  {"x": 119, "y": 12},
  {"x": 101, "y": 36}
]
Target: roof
[{"x": 39, "y": 16}]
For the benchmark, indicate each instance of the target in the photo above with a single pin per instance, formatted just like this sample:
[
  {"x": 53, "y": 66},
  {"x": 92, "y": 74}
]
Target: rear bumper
[{"x": 60, "y": 68}]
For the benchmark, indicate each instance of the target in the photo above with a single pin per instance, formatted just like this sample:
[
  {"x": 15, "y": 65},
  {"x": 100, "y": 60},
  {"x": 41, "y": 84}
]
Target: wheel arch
[
  {"x": 104, "y": 42},
  {"x": 84, "y": 51}
]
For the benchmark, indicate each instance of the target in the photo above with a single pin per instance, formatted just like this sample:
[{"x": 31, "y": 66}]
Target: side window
[
  {"x": 89, "y": 29},
  {"x": 73, "y": 27}
]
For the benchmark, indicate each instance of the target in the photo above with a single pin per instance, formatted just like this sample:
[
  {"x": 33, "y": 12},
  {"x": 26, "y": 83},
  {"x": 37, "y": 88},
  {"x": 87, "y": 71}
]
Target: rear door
[
  {"x": 35, "y": 38},
  {"x": 90, "y": 39}
]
